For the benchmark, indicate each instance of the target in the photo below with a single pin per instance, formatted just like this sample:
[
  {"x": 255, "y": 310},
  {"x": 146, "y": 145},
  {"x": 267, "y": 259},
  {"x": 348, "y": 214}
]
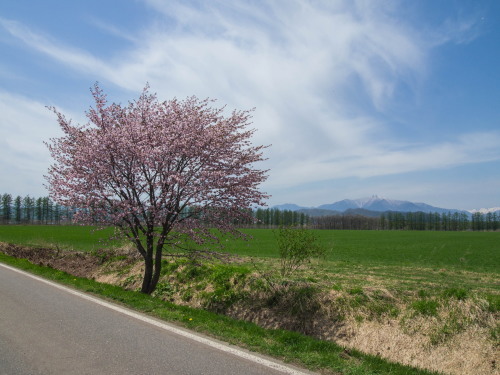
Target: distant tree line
[
  {"x": 489, "y": 221},
  {"x": 346, "y": 222},
  {"x": 456, "y": 221},
  {"x": 31, "y": 210},
  {"x": 425, "y": 221},
  {"x": 272, "y": 217},
  {"x": 42, "y": 210}
]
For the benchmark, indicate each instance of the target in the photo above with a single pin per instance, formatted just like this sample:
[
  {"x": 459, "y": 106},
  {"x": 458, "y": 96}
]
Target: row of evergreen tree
[
  {"x": 31, "y": 210},
  {"x": 345, "y": 222},
  {"x": 272, "y": 217},
  {"x": 42, "y": 210},
  {"x": 446, "y": 221},
  {"x": 449, "y": 221},
  {"x": 456, "y": 221}
]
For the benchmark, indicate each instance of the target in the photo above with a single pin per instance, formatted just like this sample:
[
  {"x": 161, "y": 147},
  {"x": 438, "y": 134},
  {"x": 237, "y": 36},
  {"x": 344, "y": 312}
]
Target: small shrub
[{"x": 296, "y": 246}]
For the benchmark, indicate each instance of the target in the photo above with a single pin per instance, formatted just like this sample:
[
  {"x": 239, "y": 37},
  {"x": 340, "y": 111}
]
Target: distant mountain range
[{"x": 373, "y": 206}]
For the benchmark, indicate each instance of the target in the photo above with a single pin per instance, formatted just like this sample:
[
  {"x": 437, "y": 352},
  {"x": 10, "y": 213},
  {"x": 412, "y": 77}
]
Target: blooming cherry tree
[{"x": 157, "y": 171}]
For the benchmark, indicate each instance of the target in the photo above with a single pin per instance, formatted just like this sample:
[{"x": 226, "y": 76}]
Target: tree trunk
[
  {"x": 152, "y": 267},
  {"x": 157, "y": 268},
  {"x": 148, "y": 274}
]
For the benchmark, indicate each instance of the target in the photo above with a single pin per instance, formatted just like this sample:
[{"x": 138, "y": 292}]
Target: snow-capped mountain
[
  {"x": 376, "y": 203},
  {"x": 485, "y": 210},
  {"x": 373, "y": 203}
]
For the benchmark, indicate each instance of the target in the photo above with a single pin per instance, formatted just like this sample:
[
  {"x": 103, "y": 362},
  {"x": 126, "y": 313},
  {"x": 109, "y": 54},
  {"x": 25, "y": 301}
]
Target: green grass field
[
  {"x": 83, "y": 238},
  {"x": 470, "y": 251},
  {"x": 400, "y": 260}
]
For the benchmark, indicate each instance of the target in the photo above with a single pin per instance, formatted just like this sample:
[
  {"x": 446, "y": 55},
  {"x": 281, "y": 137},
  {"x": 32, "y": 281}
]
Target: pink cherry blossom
[{"x": 158, "y": 171}]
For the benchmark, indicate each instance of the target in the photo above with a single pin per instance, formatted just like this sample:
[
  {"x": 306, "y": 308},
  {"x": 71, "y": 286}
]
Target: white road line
[{"x": 192, "y": 336}]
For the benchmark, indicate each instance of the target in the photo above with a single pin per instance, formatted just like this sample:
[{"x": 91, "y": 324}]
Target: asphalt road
[{"x": 47, "y": 329}]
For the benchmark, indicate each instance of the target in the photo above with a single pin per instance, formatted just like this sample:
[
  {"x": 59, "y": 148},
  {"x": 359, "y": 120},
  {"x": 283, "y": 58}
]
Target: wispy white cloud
[
  {"x": 113, "y": 30},
  {"x": 321, "y": 75},
  {"x": 71, "y": 57},
  {"x": 382, "y": 162},
  {"x": 24, "y": 125}
]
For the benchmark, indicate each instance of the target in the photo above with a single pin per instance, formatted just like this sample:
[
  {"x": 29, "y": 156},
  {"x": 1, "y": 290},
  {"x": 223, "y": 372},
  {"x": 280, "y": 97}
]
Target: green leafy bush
[{"x": 297, "y": 246}]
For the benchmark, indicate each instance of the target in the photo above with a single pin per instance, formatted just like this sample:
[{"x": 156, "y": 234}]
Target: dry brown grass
[{"x": 467, "y": 353}]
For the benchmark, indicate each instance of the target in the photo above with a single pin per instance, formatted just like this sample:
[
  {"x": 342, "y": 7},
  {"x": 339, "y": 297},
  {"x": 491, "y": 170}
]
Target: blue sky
[{"x": 394, "y": 98}]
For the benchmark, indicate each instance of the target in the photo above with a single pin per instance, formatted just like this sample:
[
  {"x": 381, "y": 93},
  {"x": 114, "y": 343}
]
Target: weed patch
[
  {"x": 493, "y": 303},
  {"x": 425, "y": 307},
  {"x": 457, "y": 293}
]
